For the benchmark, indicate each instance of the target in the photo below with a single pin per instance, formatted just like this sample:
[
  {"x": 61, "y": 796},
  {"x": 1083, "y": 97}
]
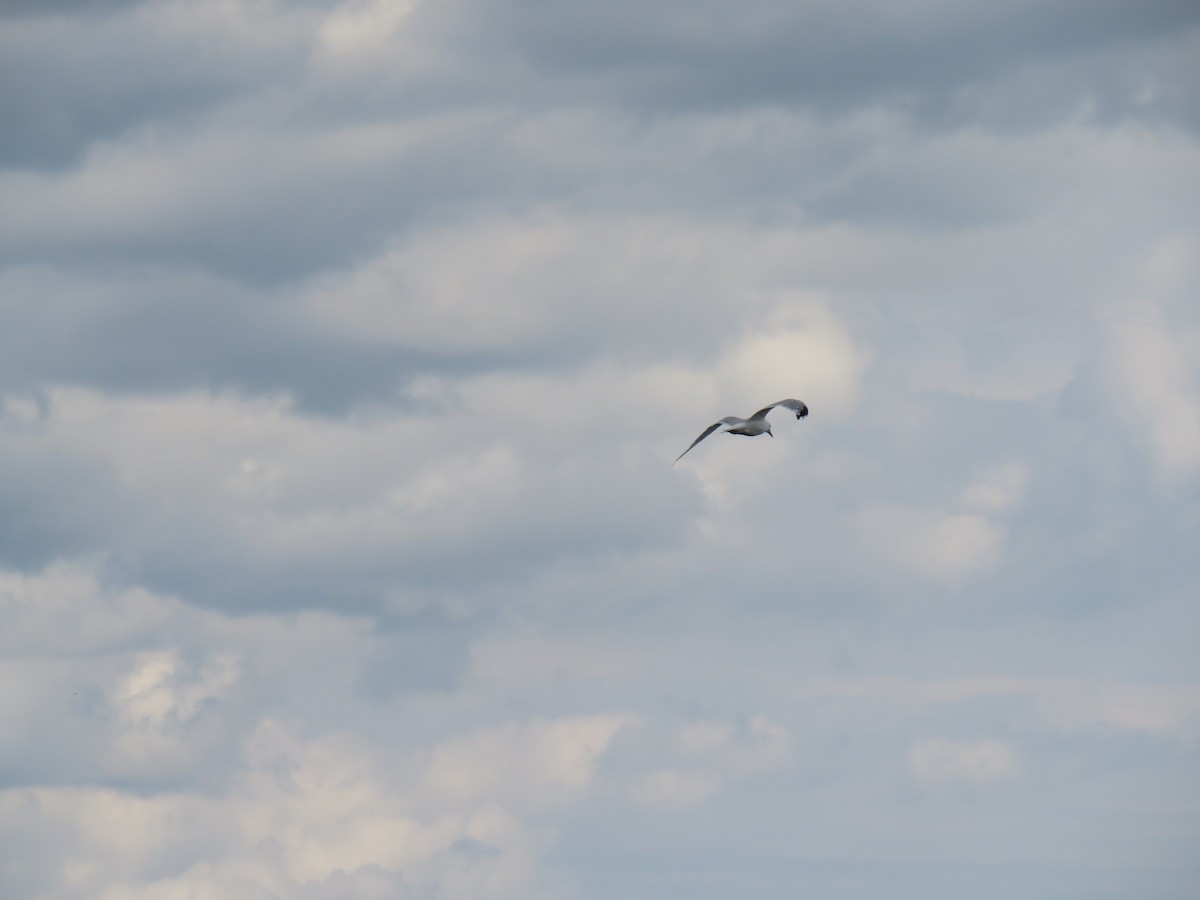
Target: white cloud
[
  {"x": 702, "y": 736},
  {"x": 345, "y": 350},
  {"x": 800, "y": 348},
  {"x": 1156, "y": 385},
  {"x": 948, "y": 547},
  {"x": 258, "y": 485},
  {"x": 997, "y": 489},
  {"x": 62, "y": 611},
  {"x": 1152, "y": 709},
  {"x": 305, "y": 812},
  {"x": 153, "y": 693},
  {"x": 671, "y": 789},
  {"x": 1173, "y": 264},
  {"x": 541, "y": 763},
  {"x": 937, "y": 761},
  {"x": 353, "y": 30},
  {"x": 1064, "y": 705},
  {"x": 156, "y": 710},
  {"x": 541, "y": 280}
]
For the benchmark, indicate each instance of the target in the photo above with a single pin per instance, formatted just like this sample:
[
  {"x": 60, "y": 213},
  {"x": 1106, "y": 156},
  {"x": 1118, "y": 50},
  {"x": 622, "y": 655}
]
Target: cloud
[
  {"x": 344, "y": 351},
  {"x": 673, "y": 789},
  {"x": 827, "y": 55},
  {"x": 354, "y": 31},
  {"x": 944, "y": 547},
  {"x": 940, "y": 761},
  {"x": 305, "y": 816},
  {"x": 997, "y": 489},
  {"x": 122, "y": 65},
  {"x": 536, "y": 763},
  {"x": 266, "y": 486},
  {"x": 1154, "y": 380}
]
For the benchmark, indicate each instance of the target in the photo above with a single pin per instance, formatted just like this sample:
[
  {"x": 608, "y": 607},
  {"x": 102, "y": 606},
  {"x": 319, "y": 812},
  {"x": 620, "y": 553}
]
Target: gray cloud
[
  {"x": 159, "y": 328},
  {"x": 826, "y": 55},
  {"x": 30, "y": 8},
  {"x": 71, "y": 82},
  {"x": 344, "y": 349}
]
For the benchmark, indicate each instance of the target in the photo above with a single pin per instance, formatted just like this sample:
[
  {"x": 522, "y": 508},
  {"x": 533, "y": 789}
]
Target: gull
[{"x": 755, "y": 425}]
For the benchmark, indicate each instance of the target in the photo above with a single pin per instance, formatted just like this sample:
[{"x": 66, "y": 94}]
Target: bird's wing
[
  {"x": 727, "y": 421},
  {"x": 794, "y": 405}
]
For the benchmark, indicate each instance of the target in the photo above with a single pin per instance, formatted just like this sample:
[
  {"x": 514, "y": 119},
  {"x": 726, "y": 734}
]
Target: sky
[{"x": 345, "y": 348}]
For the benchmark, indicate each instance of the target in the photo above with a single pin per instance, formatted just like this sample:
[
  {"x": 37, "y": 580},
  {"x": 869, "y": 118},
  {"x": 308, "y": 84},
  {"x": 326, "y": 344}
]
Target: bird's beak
[{"x": 770, "y": 434}]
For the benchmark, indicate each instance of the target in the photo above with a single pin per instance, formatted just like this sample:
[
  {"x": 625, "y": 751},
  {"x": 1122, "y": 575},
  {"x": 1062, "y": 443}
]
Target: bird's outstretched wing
[
  {"x": 794, "y": 405},
  {"x": 728, "y": 420}
]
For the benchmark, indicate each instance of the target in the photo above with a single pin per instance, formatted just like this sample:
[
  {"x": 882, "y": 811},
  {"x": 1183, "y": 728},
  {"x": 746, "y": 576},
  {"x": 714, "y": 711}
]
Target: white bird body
[
  {"x": 755, "y": 425},
  {"x": 748, "y": 427}
]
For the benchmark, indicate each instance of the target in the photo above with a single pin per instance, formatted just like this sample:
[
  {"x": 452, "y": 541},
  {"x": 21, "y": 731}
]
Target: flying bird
[{"x": 755, "y": 425}]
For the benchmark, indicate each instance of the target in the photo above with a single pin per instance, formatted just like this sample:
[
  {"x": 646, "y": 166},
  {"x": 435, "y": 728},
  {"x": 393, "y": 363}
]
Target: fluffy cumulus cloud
[{"x": 345, "y": 348}]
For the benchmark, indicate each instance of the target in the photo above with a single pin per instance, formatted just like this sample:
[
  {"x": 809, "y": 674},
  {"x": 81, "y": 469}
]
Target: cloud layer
[{"x": 344, "y": 349}]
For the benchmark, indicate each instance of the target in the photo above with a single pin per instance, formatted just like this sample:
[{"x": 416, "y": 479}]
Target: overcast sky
[{"x": 344, "y": 351}]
